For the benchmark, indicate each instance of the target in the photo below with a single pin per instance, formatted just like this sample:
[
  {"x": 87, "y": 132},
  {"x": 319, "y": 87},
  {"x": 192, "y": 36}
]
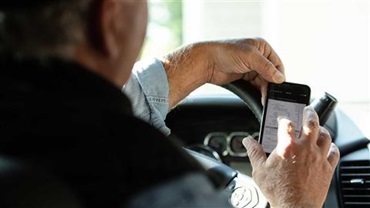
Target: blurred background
[{"x": 322, "y": 43}]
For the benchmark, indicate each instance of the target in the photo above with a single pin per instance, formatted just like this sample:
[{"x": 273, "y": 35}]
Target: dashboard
[
  {"x": 214, "y": 124},
  {"x": 228, "y": 144}
]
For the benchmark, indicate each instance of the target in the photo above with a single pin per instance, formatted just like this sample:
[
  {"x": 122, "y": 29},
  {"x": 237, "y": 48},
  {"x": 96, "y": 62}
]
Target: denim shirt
[{"x": 148, "y": 90}]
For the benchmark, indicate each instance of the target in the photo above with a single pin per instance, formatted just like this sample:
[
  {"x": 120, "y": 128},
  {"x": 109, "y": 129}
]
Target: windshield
[{"x": 322, "y": 43}]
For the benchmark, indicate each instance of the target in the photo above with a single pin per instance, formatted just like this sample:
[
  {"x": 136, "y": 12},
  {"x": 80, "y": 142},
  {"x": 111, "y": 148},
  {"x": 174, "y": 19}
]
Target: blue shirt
[{"x": 148, "y": 90}]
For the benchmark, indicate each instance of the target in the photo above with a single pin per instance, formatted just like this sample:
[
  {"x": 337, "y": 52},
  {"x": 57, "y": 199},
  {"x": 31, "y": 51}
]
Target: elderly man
[{"x": 70, "y": 104}]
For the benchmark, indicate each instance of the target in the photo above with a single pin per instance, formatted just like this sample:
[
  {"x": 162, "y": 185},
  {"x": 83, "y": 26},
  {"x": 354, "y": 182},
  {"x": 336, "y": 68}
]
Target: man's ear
[
  {"x": 102, "y": 31},
  {"x": 93, "y": 29}
]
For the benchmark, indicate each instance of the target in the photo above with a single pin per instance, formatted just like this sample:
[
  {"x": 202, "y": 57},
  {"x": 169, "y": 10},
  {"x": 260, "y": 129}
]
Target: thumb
[
  {"x": 265, "y": 68},
  {"x": 255, "y": 151}
]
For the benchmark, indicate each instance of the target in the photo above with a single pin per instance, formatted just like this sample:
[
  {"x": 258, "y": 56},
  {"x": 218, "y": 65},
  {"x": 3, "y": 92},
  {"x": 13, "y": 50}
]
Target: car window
[{"x": 323, "y": 43}]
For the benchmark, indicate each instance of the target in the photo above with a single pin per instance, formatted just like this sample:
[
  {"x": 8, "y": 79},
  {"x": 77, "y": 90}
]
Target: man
[{"x": 63, "y": 65}]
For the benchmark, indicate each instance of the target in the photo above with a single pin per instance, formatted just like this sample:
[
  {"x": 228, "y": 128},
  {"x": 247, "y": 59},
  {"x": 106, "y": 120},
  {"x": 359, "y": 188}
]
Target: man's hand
[
  {"x": 221, "y": 62},
  {"x": 253, "y": 60},
  {"x": 299, "y": 171}
]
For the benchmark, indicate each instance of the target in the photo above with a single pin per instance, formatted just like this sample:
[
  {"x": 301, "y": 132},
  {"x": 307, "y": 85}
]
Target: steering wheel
[
  {"x": 249, "y": 94},
  {"x": 242, "y": 190}
]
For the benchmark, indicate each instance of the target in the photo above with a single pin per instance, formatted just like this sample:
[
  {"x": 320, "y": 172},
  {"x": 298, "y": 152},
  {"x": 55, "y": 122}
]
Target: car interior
[{"x": 211, "y": 124}]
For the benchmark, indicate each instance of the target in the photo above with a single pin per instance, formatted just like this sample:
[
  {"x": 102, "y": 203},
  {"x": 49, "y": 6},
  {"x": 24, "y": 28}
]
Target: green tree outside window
[{"x": 164, "y": 31}]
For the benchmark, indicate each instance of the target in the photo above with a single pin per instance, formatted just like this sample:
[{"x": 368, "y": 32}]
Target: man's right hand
[{"x": 299, "y": 171}]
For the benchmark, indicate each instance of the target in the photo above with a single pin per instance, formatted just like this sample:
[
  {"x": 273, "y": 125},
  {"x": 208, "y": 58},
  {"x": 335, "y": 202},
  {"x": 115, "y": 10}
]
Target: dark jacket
[{"x": 78, "y": 127}]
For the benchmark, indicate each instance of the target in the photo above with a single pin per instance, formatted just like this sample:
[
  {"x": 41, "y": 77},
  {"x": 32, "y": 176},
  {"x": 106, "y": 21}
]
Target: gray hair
[{"x": 44, "y": 29}]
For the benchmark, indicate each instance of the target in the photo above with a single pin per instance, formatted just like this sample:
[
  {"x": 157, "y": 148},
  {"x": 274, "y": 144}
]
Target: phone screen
[{"x": 287, "y": 100}]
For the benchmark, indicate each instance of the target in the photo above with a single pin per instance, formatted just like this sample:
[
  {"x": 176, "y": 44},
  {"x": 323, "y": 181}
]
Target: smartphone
[{"x": 286, "y": 99}]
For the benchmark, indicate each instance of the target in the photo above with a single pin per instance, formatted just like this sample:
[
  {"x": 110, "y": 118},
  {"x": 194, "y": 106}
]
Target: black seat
[{"x": 25, "y": 186}]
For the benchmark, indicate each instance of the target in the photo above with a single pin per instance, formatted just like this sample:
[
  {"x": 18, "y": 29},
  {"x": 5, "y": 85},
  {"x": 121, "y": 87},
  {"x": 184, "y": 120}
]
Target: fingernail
[
  {"x": 309, "y": 107},
  {"x": 284, "y": 121},
  {"x": 263, "y": 101},
  {"x": 308, "y": 111},
  {"x": 279, "y": 77},
  {"x": 246, "y": 141},
  {"x": 279, "y": 118},
  {"x": 333, "y": 146}
]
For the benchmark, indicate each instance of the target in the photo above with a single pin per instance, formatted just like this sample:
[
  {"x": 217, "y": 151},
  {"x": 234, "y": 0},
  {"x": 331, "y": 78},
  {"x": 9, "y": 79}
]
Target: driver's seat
[{"x": 26, "y": 186}]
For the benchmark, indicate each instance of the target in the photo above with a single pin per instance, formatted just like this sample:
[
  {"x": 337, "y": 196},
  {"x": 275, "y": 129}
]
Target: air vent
[{"x": 355, "y": 183}]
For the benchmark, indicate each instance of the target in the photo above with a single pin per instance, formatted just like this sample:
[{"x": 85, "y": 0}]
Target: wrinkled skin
[{"x": 298, "y": 172}]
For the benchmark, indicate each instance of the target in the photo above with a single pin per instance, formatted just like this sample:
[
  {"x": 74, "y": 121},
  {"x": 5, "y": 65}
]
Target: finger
[
  {"x": 324, "y": 140},
  {"x": 333, "y": 155},
  {"x": 310, "y": 126},
  {"x": 285, "y": 136},
  {"x": 264, "y": 67},
  {"x": 259, "y": 82},
  {"x": 271, "y": 55},
  {"x": 263, "y": 93},
  {"x": 255, "y": 152}
]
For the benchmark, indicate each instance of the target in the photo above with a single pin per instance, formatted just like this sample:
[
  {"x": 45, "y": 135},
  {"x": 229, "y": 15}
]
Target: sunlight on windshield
[{"x": 323, "y": 43}]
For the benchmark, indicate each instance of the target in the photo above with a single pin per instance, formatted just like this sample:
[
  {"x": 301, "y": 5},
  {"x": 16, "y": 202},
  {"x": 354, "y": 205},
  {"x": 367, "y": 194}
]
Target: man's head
[
  {"x": 42, "y": 27},
  {"x": 103, "y": 35}
]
